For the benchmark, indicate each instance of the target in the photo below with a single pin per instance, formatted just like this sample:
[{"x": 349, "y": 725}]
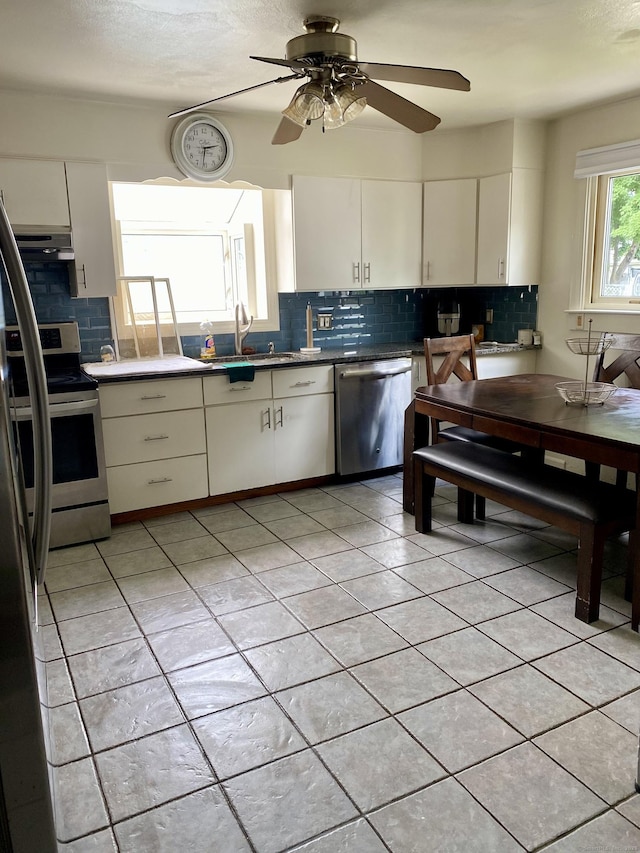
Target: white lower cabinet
[
  {"x": 155, "y": 446},
  {"x": 276, "y": 429}
]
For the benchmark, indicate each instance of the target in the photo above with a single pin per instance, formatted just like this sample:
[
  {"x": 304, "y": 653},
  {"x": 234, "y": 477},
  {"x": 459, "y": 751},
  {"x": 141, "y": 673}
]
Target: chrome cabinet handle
[
  {"x": 279, "y": 422},
  {"x": 367, "y": 272},
  {"x": 428, "y": 271},
  {"x": 500, "y": 267},
  {"x": 159, "y": 480},
  {"x": 266, "y": 419},
  {"x": 153, "y": 397},
  {"x": 303, "y": 384},
  {"x": 240, "y": 388},
  {"x": 356, "y": 272},
  {"x": 155, "y": 437}
]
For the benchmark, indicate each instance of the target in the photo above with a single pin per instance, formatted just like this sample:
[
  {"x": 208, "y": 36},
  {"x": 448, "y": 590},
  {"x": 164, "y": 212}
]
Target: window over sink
[{"x": 212, "y": 243}]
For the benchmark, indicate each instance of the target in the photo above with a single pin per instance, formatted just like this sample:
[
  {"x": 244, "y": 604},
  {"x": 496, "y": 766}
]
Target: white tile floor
[{"x": 305, "y": 672}]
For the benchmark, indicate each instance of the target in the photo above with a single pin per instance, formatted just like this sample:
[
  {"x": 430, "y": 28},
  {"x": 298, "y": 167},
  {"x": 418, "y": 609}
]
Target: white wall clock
[{"x": 202, "y": 147}]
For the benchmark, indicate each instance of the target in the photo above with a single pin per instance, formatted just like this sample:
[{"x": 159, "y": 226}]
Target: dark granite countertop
[{"x": 174, "y": 366}]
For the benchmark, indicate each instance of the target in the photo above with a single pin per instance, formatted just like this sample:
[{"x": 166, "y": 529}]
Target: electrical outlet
[
  {"x": 488, "y": 317},
  {"x": 579, "y": 321},
  {"x": 324, "y": 321}
]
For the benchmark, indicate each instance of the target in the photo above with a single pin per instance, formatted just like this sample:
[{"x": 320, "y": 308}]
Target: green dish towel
[{"x": 240, "y": 371}]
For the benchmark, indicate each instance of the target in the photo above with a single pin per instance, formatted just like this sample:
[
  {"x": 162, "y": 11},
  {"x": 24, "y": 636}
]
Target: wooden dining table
[{"x": 528, "y": 409}]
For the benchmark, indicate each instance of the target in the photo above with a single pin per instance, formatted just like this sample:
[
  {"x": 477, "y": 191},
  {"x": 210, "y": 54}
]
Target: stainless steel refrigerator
[{"x": 26, "y": 810}]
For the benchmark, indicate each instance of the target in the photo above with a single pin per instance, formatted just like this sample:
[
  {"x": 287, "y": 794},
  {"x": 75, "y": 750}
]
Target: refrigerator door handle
[{"x": 34, "y": 363}]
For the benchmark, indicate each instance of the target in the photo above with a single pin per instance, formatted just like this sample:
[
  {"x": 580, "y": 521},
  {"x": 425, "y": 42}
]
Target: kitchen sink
[{"x": 258, "y": 357}]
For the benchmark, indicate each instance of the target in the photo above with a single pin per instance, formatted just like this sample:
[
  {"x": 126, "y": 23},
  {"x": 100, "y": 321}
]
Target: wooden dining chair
[
  {"x": 459, "y": 360},
  {"x": 624, "y": 366}
]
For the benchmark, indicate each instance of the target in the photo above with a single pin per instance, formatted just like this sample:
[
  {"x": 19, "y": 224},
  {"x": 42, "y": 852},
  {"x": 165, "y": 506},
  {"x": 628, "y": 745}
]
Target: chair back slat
[
  {"x": 626, "y": 362},
  {"x": 459, "y": 360}
]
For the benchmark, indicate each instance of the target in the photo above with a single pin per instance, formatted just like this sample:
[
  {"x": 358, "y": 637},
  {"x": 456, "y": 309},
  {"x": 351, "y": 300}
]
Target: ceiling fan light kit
[{"x": 340, "y": 86}]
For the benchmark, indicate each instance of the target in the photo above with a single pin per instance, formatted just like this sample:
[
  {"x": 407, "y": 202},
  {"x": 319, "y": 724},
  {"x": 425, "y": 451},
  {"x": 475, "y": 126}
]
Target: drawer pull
[
  {"x": 240, "y": 388},
  {"x": 161, "y": 480},
  {"x": 302, "y": 384},
  {"x": 154, "y": 397},
  {"x": 155, "y": 437}
]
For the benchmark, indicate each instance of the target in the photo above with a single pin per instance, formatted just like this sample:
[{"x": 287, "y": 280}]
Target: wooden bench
[{"x": 591, "y": 510}]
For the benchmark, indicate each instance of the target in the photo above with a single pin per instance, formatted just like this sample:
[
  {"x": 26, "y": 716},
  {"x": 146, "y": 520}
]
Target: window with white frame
[
  {"x": 209, "y": 242},
  {"x": 612, "y": 241},
  {"x": 616, "y": 268}
]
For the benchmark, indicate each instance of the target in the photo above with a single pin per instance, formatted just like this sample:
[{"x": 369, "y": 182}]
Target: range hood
[{"x": 44, "y": 245}]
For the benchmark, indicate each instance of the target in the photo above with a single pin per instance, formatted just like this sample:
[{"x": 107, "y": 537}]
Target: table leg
[{"x": 416, "y": 434}]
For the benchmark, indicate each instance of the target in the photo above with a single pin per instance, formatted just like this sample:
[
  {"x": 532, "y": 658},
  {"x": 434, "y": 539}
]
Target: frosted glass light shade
[
  {"x": 306, "y": 105},
  {"x": 345, "y": 105}
]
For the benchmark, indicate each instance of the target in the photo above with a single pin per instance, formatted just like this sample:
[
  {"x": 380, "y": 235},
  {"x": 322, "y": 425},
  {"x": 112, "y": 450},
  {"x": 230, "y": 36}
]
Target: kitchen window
[
  {"x": 611, "y": 249},
  {"x": 210, "y": 242},
  {"x": 616, "y": 257}
]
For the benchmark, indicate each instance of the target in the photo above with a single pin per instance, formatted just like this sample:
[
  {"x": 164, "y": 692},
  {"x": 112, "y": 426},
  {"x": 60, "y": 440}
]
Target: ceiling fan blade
[
  {"x": 398, "y": 108},
  {"x": 287, "y": 131},
  {"x": 232, "y": 94},
  {"x": 290, "y": 63},
  {"x": 439, "y": 77}
]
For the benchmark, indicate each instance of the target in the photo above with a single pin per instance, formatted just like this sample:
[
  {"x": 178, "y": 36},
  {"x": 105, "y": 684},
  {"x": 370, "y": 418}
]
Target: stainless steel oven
[{"x": 79, "y": 494}]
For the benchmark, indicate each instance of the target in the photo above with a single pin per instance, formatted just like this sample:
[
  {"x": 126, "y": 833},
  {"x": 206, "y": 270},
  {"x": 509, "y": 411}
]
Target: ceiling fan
[{"x": 339, "y": 86}]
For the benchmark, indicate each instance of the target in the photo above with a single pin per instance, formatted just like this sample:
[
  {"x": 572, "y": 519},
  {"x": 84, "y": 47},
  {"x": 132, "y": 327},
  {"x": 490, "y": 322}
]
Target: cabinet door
[
  {"x": 326, "y": 228},
  {"x": 34, "y": 192},
  {"x": 449, "y": 241},
  {"x": 391, "y": 234},
  {"x": 304, "y": 437},
  {"x": 90, "y": 212},
  {"x": 240, "y": 446},
  {"x": 494, "y": 219}
]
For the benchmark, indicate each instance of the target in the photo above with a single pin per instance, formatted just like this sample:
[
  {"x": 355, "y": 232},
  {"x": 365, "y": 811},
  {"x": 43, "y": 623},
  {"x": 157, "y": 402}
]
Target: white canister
[{"x": 525, "y": 337}]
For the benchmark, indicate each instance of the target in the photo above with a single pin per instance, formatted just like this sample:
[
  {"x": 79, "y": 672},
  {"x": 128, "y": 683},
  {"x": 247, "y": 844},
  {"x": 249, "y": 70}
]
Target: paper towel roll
[{"x": 309, "y": 326}]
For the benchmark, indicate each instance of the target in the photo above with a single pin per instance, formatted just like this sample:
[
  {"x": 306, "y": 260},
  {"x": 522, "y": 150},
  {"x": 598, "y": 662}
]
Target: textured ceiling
[{"x": 525, "y": 58}]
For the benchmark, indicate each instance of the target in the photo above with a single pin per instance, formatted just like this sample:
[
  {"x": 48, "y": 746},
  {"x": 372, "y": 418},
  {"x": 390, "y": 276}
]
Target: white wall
[
  {"x": 134, "y": 141},
  {"x": 562, "y": 234}
]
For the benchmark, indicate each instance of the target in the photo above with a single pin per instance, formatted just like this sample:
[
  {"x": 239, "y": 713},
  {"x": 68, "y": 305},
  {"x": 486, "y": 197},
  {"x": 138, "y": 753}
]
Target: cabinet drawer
[
  {"x": 141, "y": 438},
  {"x": 137, "y": 398},
  {"x": 157, "y": 483},
  {"x": 295, "y": 381},
  {"x": 218, "y": 389}
]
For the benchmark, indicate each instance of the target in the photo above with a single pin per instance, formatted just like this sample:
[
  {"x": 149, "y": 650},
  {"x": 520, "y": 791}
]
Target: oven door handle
[{"x": 25, "y": 413}]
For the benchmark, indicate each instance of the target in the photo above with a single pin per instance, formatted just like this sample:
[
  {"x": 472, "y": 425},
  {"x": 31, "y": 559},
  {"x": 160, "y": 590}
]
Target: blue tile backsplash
[{"x": 358, "y": 317}]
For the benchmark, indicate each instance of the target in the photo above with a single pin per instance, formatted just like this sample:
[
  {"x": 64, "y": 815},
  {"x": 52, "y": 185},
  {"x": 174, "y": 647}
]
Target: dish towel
[{"x": 240, "y": 371}]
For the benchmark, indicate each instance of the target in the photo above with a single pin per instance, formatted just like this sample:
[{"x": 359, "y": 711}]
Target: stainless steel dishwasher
[{"x": 371, "y": 397}]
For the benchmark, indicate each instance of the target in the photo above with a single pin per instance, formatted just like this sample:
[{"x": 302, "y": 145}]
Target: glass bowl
[
  {"x": 590, "y": 394},
  {"x": 590, "y": 346}
]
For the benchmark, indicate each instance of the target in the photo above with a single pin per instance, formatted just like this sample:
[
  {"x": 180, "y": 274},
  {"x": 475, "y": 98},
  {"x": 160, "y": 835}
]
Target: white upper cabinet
[
  {"x": 351, "y": 234},
  {"x": 34, "y": 193},
  {"x": 510, "y": 228},
  {"x": 449, "y": 232},
  {"x": 90, "y": 211},
  {"x": 391, "y": 234},
  {"x": 326, "y": 233}
]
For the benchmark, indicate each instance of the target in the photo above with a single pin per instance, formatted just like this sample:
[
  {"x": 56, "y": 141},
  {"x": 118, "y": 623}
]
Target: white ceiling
[{"x": 525, "y": 58}]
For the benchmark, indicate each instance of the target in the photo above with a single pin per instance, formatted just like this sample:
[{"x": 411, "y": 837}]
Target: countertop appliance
[
  {"x": 26, "y": 809},
  {"x": 448, "y": 317},
  {"x": 371, "y": 398},
  {"x": 79, "y": 488}
]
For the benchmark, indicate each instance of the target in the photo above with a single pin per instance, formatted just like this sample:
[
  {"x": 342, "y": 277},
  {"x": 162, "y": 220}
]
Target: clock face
[
  {"x": 204, "y": 147},
  {"x": 201, "y": 147}
]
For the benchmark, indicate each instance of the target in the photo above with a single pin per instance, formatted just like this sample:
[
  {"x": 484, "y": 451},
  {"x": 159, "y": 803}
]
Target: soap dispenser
[{"x": 209, "y": 348}]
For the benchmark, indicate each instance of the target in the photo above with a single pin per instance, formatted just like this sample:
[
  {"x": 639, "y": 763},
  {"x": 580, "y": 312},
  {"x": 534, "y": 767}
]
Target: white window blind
[{"x": 623, "y": 157}]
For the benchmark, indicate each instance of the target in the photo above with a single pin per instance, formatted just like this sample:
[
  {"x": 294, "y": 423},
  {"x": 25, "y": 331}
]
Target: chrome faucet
[{"x": 243, "y": 324}]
